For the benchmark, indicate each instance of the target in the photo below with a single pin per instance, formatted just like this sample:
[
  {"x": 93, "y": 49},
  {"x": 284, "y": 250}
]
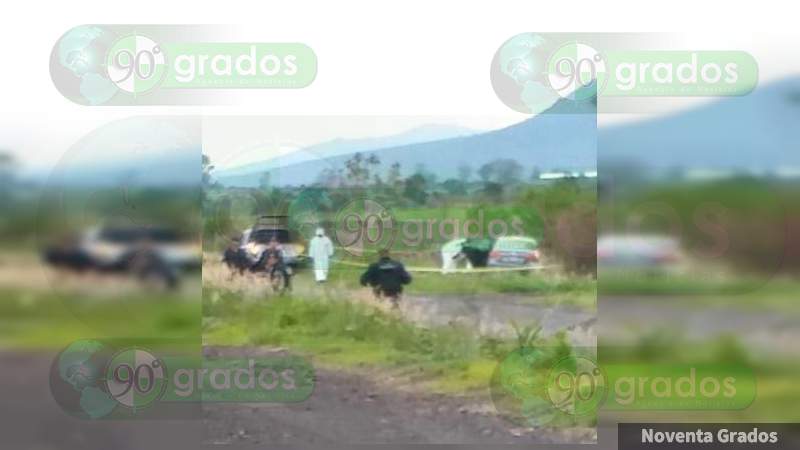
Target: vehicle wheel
[{"x": 159, "y": 280}]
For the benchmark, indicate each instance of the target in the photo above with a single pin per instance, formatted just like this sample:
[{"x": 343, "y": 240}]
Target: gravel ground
[{"x": 347, "y": 408}]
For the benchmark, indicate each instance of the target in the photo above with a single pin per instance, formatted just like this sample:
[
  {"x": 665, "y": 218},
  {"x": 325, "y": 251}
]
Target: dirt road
[
  {"x": 346, "y": 408},
  {"x": 492, "y": 314},
  {"x": 31, "y": 419},
  {"x": 343, "y": 409},
  {"x": 488, "y": 314}
]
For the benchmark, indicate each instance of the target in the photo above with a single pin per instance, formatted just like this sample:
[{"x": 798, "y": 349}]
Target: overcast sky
[
  {"x": 235, "y": 140},
  {"x": 426, "y": 77}
]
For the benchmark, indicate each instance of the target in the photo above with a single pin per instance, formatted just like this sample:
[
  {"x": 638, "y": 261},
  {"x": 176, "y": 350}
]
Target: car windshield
[
  {"x": 129, "y": 235},
  {"x": 637, "y": 245},
  {"x": 263, "y": 236}
]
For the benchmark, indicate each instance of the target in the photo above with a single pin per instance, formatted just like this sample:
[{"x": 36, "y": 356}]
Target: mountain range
[
  {"x": 755, "y": 132},
  {"x": 759, "y": 131},
  {"x": 341, "y": 146},
  {"x": 546, "y": 142}
]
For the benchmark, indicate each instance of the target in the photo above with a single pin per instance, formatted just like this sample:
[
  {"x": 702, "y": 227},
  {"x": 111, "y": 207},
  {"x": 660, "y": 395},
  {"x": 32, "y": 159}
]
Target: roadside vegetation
[
  {"x": 545, "y": 288},
  {"x": 737, "y": 237},
  {"x": 49, "y": 319},
  {"x": 426, "y": 209},
  {"x": 777, "y": 392},
  {"x": 352, "y": 335},
  {"x": 744, "y": 224},
  {"x": 342, "y": 335},
  {"x": 740, "y": 291}
]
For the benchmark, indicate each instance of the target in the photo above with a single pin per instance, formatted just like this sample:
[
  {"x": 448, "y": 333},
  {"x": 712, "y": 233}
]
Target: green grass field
[
  {"x": 548, "y": 288},
  {"x": 777, "y": 392},
  {"x": 351, "y": 335},
  {"x": 354, "y": 337},
  {"x": 49, "y": 319},
  {"x": 739, "y": 291}
]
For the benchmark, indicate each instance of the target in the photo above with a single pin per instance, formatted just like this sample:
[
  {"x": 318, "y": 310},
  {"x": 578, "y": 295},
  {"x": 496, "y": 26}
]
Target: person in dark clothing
[
  {"x": 386, "y": 277},
  {"x": 476, "y": 250},
  {"x": 236, "y": 258},
  {"x": 272, "y": 261}
]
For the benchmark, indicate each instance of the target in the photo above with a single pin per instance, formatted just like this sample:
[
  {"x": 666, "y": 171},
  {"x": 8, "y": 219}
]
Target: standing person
[
  {"x": 320, "y": 250},
  {"x": 386, "y": 277}
]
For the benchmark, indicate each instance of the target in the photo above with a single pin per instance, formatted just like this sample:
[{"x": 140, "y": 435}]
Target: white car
[
  {"x": 108, "y": 246},
  {"x": 649, "y": 251}
]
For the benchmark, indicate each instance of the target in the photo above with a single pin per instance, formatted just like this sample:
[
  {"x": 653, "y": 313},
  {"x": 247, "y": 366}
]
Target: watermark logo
[
  {"x": 136, "y": 64},
  {"x": 365, "y": 226},
  {"x": 681, "y": 73},
  {"x": 136, "y": 378},
  {"x": 557, "y": 73},
  {"x": 679, "y": 387},
  {"x": 574, "y": 68},
  {"x": 536, "y": 386},
  {"x": 120, "y": 65},
  {"x": 240, "y": 65},
  {"x": 94, "y": 379},
  {"x": 541, "y": 386},
  {"x": 576, "y": 385},
  {"x": 519, "y": 73}
]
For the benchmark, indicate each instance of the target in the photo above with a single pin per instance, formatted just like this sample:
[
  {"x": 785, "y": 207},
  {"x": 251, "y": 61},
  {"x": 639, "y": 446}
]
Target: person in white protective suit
[
  {"x": 452, "y": 254},
  {"x": 320, "y": 250}
]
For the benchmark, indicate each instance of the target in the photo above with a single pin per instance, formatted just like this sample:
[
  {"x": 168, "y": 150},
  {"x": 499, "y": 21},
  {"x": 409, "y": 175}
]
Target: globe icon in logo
[
  {"x": 91, "y": 380},
  {"x": 77, "y": 65},
  {"x": 519, "y": 74},
  {"x": 531, "y": 73},
  {"x": 77, "y": 378}
]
